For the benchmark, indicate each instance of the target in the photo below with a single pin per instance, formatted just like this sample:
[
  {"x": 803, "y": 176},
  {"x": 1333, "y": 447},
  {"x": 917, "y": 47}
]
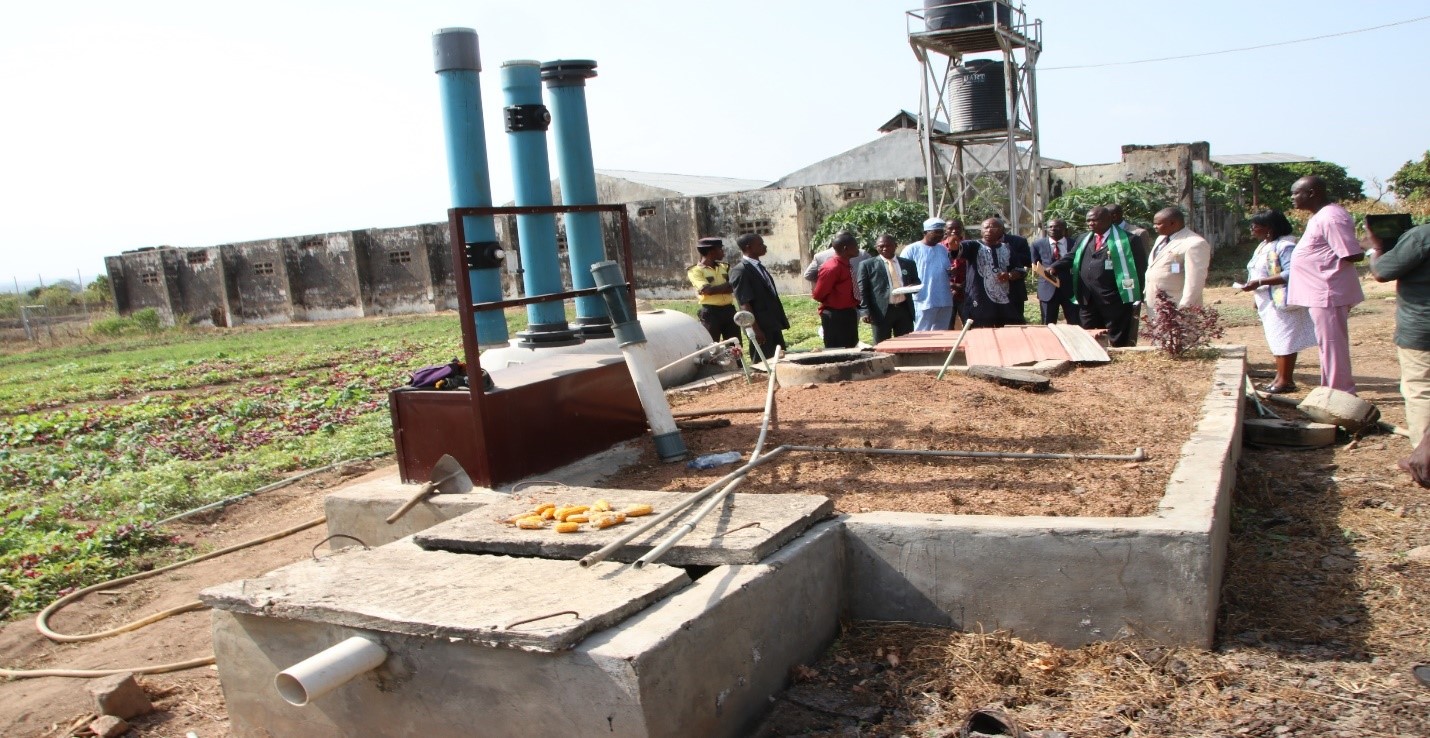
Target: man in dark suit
[
  {"x": 889, "y": 314},
  {"x": 1052, "y": 296},
  {"x": 755, "y": 292},
  {"x": 1107, "y": 267},
  {"x": 997, "y": 267}
]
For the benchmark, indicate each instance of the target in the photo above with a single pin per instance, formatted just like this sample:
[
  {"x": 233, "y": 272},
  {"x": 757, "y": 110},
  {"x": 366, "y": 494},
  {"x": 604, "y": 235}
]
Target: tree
[
  {"x": 901, "y": 219},
  {"x": 1139, "y": 200},
  {"x": 1412, "y": 181},
  {"x": 1275, "y": 182}
]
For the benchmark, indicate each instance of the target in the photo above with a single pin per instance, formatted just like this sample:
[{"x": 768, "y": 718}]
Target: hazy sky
[{"x": 144, "y": 123}]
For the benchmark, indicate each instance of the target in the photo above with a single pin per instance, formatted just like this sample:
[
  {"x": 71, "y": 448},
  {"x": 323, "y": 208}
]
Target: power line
[{"x": 1243, "y": 48}]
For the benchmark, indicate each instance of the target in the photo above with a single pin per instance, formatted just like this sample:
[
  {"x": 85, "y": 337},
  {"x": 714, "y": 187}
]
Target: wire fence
[{"x": 52, "y": 313}]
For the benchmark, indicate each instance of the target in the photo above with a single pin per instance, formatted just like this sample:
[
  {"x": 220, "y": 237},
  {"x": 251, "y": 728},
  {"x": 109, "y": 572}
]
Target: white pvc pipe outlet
[{"x": 325, "y": 671}]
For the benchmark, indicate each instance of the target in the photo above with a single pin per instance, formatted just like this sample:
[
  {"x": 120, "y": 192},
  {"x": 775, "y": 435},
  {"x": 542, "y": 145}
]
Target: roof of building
[
  {"x": 1267, "y": 157},
  {"x": 684, "y": 184},
  {"x": 905, "y": 119},
  {"x": 897, "y": 154}
]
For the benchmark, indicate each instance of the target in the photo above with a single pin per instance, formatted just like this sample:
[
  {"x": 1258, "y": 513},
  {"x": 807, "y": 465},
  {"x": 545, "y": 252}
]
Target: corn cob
[
  {"x": 567, "y": 527},
  {"x": 565, "y": 512},
  {"x": 531, "y": 522},
  {"x": 639, "y": 510},
  {"x": 600, "y": 506},
  {"x": 582, "y": 518}
]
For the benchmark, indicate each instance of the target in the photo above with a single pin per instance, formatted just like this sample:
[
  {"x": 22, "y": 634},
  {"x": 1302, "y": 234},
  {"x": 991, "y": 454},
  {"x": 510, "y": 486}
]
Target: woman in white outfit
[{"x": 1288, "y": 327}]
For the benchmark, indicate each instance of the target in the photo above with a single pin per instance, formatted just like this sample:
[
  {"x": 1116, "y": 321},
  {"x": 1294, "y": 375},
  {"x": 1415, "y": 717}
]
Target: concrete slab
[
  {"x": 359, "y": 511},
  {"x": 702, "y": 661},
  {"x": 439, "y": 594},
  {"x": 744, "y": 530}
]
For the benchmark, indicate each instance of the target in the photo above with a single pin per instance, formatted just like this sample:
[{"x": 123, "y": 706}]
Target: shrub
[
  {"x": 901, "y": 219},
  {"x": 1177, "y": 330},
  {"x": 1412, "y": 180},
  {"x": 1139, "y": 200},
  {"x": 147, "y": 320},
  {"x": 141, "y": 321}
]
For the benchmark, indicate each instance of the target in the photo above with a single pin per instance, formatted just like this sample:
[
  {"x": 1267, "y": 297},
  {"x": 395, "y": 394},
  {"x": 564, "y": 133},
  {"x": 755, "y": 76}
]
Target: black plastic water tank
[
  {"x": 939, "y": 15},
  {"x": 976, "y": 98}
]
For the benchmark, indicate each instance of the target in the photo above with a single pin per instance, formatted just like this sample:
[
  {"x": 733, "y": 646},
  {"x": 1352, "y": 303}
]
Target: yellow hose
[{"x": 42, "y": 620}]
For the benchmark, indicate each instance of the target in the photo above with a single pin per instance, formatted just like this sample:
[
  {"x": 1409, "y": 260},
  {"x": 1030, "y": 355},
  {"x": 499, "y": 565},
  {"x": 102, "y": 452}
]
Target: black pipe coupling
[
  {"x": 485, "y": 255},
  {"x": 526, "y": 118}
]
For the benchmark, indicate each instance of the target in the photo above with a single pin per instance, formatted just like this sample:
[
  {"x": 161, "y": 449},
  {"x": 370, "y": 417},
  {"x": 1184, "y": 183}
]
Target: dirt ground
[{"x": 1323, "y": 612}]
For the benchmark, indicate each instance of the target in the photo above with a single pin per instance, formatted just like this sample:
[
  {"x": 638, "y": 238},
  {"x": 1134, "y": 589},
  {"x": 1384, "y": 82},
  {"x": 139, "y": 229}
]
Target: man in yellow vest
[{"x": 711, "y": 279}]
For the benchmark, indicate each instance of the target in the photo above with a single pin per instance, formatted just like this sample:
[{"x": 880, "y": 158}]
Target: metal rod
[
  {"x": 717, "y": 499},
  {"x": 698, "y": 352},
  {"x": 655, "y": 520},
  {"x": 967, "y": 323},
  {"x": 718, "y": 411},
  {"x": 1137, "y": 455}
]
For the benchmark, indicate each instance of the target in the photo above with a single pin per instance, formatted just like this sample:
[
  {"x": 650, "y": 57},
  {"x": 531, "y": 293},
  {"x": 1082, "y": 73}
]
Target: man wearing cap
[
  {"x": 711, "y": 278},
  {"x": 933, "y": 303},
  {"x": 755, "y": 292},
  {"x": 835, "y": 292}
]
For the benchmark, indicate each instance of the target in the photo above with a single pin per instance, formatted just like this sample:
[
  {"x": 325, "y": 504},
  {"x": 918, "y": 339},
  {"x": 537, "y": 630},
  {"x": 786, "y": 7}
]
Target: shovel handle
[{"x": 422, "y": 493}]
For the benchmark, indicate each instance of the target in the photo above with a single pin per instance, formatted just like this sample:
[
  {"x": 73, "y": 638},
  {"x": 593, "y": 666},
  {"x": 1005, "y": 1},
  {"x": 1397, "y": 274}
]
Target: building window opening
[
  {"x": 149, "y": 278},
  {"x": 645, "y": 212},
  {"x": 757, "y": 227},
  {"x": 399, "y": 257},
  {"x": 197, "y": 257},
  {"x": 263, "y": 267}
]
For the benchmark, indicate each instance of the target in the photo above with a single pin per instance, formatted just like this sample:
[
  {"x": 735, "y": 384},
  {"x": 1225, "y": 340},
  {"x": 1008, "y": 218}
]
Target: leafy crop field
[{"x": 98, "y": 441}]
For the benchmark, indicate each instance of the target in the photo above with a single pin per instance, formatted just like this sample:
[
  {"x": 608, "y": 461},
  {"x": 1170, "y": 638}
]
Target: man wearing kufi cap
[
  {"x": 933, "y": 303},
  {"x": 711, "y": 279}
]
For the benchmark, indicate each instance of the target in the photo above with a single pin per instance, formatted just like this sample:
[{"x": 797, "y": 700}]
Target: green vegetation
[
  {"x": 1139, "y": 200},
  {"x": 1412, "y": 180},
  {"x": 1276, "y": 181},
  {"x": 901, "y": 219}
]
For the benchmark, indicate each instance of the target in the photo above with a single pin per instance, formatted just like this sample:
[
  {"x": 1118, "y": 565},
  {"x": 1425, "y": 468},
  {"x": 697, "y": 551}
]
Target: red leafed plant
[{"x": 1177, "y": 330}]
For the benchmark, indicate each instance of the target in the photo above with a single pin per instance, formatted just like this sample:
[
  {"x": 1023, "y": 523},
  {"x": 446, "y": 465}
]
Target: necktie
[
  {"x": 895, "y": 281},
  {"x": 1101, "y": 238},
  {"x": 769, "y": 281},
  {"x": 1161, "y": 244}
]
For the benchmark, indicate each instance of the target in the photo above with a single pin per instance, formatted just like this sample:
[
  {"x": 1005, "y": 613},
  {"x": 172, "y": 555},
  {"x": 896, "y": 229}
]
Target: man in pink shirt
[{"x": 1323, "y": 277}]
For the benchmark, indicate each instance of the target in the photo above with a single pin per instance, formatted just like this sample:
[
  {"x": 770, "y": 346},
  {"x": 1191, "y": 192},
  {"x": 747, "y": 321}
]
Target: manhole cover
[{"x": 834, "y": 366}]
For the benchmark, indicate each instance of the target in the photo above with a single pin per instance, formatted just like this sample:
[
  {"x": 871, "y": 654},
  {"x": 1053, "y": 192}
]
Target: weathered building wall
[
  {"x": 774, "y": 216},
  {"x": 397, "y": 276},
  {"x": 437, "y": 239},
  {"x": 663, "y": 236},
  {"x": 202, "y": 286},
  {"x": 142, "y": 281},
  {"x": 257, "y": 280},
  {"x": 324, "y": 273}
]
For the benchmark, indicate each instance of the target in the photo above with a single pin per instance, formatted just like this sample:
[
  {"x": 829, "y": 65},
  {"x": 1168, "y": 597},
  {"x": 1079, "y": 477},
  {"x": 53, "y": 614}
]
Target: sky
[{"x": 148, "y": 122}]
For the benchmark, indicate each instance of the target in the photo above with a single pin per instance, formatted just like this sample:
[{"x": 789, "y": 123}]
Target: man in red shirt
[{"x": 834, "y": 290}]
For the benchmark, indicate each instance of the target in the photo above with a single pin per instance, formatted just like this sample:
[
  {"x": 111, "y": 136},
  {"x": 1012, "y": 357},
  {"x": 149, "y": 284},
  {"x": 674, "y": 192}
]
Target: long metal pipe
[
  {"x": 526, "y": 122},
  {"x": 1137, "y": 455},
  {"x": 571, "y": 130},
  {"x": 718, "y": 498},
  {"x": 458, "y": 64}
]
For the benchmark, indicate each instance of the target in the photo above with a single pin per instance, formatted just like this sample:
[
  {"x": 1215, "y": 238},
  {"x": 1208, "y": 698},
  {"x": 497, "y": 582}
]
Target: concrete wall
[
  {"x": 202, "y": 286},
  {"x": 324, "y": 271},
  {"x": 142, "y": 279},
  {"x": 385, "y": 271},
  {"x": 396, "y": 271},
  {"x": 258, "y": 284}
]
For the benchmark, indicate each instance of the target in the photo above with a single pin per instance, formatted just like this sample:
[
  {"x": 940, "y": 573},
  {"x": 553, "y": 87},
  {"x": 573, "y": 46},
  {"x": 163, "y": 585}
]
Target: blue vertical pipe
[
  {"x": 526, "y": 122},
  {"x": 458, "y": 63},
  {"x": 566, "y": 88}
]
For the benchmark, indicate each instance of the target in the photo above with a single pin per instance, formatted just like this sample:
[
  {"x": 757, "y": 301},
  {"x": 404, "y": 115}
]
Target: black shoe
[{"x": 1271, "y": 388}]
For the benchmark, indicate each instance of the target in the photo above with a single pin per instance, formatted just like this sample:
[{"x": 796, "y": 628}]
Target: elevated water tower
[{"x": 978, "y": 117}]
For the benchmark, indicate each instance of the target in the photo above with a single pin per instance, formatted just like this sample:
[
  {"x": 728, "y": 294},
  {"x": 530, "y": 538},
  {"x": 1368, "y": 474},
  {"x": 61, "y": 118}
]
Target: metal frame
[
  {"x": 957, "y": 174},
  {"x": 470, "y": 348}
]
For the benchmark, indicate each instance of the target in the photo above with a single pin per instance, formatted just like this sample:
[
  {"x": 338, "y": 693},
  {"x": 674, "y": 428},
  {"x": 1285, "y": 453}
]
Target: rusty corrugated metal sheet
[
  {"x": 1012, "y": 346},
  {"x": 924, "y": 342}
]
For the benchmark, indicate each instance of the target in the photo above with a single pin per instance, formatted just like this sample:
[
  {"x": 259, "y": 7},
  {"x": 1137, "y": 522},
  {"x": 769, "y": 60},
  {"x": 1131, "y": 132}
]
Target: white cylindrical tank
[{"x": 670, "y": 335}]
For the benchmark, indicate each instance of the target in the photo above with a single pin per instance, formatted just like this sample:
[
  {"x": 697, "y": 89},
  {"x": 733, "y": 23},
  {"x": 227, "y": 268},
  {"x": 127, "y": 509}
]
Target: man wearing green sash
[{"x": 1107, "y": 267}]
